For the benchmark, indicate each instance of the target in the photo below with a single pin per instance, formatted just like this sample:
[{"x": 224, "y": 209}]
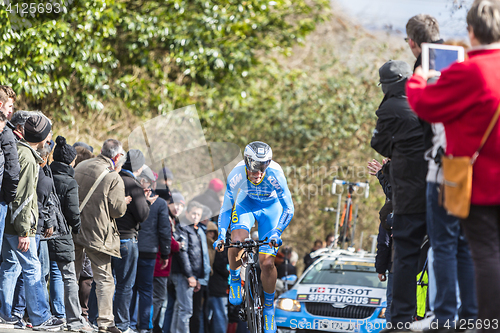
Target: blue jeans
[
  {"x": 432, "y": 283},
  {"x": 388, "y": 297},
  {"x": 431, "y": 291},
  {"x": 3, "y": 213},
  {"x": 43, "y": 256},
  {"x": 217, "y": 306},
  {"x": 183, "y": 307},
  {"x": 452, "y": 262},
  {"x": 124, "y": 270},
  {"x": 169, "y": 311},
  {"x": 15, "y": 262},
  {"x": 144, "y": 288},
  {"x": 56, "y": 291},
  {"x": 19, "y": 301}
]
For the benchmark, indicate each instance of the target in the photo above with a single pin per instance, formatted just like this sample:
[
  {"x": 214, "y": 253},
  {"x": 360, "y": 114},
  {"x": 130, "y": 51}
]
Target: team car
[{"x": 340, "y": 292}]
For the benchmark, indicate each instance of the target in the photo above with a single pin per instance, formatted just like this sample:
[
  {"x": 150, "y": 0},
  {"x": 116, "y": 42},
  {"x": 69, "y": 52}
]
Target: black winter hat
[
  {"x": 394, "y": 71},
  {"x": 36, "y": 129},
  {"x": 165, "y": 173},
  {"x": 63, "y": 152},
  {"x": 135, "y": 160}
]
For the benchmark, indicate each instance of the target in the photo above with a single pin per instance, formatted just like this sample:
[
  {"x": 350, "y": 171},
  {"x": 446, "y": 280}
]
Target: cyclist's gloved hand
[
  {"x": 275, "y": 236},
  {"x": 221, "y": 240}
]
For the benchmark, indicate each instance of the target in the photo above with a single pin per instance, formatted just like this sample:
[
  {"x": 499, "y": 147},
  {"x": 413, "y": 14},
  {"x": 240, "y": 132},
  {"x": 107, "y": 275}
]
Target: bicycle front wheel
[{"x": 253, "y": 301}]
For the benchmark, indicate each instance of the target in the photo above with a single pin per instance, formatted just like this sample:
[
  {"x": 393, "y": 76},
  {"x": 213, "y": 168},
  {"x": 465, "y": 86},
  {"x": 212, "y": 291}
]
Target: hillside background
[{"x": 299, "y": 75}]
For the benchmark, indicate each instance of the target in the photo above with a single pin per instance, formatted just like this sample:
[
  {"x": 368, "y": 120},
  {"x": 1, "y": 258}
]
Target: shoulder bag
[{"x": 457, "y": 173}]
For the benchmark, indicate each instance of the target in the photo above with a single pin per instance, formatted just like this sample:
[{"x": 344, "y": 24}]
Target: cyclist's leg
[
  {"x": 234, "y": 255},
  {"x": 242, "y": 221},
  {"x": 268, "y": 218}
]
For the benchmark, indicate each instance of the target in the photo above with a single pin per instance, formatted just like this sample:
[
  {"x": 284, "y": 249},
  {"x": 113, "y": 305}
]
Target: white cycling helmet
[{"x": 257, "y": 156}]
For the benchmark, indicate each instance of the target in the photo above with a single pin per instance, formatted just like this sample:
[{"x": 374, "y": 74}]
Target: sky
[{"x": 392, "y": 15}]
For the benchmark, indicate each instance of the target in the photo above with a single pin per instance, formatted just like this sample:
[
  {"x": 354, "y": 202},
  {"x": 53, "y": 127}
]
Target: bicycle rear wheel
[{"x": 253, "y": 301}]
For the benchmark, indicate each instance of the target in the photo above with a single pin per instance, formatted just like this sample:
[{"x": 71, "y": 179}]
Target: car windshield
[{"x": 330, "y": 271}]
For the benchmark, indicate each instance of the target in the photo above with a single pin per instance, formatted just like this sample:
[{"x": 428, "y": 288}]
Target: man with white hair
[{"x": 102, "y": 200}]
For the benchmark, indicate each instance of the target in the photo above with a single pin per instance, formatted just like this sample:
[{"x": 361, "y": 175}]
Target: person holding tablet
[{"x": 465, "y": 99}]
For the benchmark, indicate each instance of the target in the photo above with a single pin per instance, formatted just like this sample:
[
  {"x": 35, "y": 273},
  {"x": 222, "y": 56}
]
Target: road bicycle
[
  {"x": 252, "y": 306},
  {"x": 347, "y": 216}
]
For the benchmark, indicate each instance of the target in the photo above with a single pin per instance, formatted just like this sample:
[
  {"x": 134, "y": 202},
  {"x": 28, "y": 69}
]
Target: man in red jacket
[{"x": 464, "y": 99}]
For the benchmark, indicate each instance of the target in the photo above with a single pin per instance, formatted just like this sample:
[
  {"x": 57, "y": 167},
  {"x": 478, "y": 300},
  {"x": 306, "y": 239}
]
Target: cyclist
[{"x": 256, "y": 190}]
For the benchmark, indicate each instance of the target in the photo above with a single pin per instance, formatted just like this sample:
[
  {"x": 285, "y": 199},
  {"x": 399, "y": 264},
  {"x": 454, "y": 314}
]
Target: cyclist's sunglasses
[{"x": 255, "y": 166}]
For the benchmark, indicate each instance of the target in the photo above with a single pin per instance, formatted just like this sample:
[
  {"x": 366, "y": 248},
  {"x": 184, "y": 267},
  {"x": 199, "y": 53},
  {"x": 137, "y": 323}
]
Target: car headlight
[
  {"x": 382, "y": 313},
  {"x": 288, "y": 304}
]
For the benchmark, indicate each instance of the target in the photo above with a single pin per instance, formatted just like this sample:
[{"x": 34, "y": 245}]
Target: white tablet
[{"x": 439, "y": 57}]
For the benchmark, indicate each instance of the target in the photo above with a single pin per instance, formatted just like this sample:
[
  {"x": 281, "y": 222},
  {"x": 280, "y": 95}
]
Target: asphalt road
[
  {"x": 10, "y": 329},
  {"x": 4, "y": 329}
]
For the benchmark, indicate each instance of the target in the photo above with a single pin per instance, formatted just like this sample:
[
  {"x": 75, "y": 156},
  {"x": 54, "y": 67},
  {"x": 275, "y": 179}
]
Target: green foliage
[
  {"x": 309, "y": 119},
  {"x": 105, "y": 49}
]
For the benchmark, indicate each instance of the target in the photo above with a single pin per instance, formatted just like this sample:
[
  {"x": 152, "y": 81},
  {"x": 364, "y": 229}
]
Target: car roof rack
[{"x": 331, "y": 252}]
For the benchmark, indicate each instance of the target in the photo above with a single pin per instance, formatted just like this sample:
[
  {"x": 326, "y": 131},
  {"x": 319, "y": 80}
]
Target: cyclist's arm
[{"x": 285, "y": 198}]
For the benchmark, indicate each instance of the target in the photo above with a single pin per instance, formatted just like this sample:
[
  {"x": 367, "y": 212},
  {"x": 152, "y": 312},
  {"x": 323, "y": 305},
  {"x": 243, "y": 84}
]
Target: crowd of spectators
[{"x": 106, "y": 233}]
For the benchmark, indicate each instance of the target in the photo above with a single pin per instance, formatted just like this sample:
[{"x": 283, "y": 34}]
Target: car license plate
[{"x": 335, "y": 326}]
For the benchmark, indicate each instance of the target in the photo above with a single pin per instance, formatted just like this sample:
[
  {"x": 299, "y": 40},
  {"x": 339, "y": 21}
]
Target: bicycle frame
[
  {"x": 346, "y": 219},
  {"x": 248, "y": 258},
  {"x": 253, "y": 303}
]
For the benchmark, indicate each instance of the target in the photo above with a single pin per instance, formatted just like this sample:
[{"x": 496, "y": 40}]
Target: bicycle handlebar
[
  {"x": 247, "y": 244},
  {"x": 364, "y": 185},
  {"x": 345, "y": 182}
]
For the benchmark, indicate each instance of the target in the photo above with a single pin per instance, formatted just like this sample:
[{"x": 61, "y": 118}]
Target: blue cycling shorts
[{"x": 247, "y": 211}]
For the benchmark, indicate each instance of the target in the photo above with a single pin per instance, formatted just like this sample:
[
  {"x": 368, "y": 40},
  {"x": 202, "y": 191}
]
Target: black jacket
[
  {"x": 210, "y": 199},
  {"x": 308, "y": 261},
  {"x": 188, "y": 261},
  {"x": 383, "y": 176},
  {"x": 165, "y": 194},
  {"x": 137, "y": 211},
  {"x": 11, "y": 166},
  {"x": 218, "y": 283},
  {"x": 383, "y": 259},
  {"x": 43, "y": 189},
  {"x": 399, "y": 136},
  {"x": 67, "y": 190},
  {"x": 61, "y": 247},
  {"x": 156, "y": 232}
]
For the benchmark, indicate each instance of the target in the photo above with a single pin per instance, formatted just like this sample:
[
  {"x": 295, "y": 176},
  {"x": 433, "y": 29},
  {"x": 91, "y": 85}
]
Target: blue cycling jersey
[{"x": 273, "y": 188}]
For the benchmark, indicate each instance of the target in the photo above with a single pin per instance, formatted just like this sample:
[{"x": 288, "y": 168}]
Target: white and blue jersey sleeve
[
  {"x": 235, "y": 177},
  {"x": 285, "y": 198}
]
